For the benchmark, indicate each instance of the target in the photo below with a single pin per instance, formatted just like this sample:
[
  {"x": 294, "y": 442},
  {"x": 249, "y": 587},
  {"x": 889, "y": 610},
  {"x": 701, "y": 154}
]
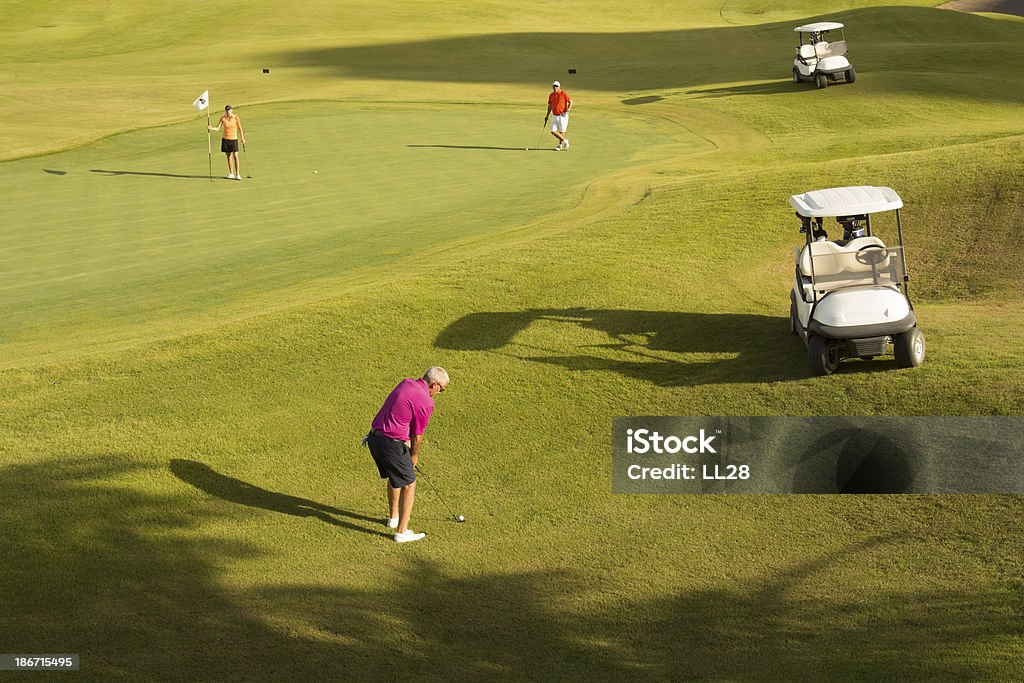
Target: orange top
[
  {"x": 559, "y": 101},
  {"x": 231, "y": 125}
]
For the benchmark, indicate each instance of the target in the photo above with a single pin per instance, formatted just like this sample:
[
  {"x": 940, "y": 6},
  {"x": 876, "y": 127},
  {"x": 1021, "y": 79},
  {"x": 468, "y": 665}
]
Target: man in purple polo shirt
[{"x": 395, "y": 441}]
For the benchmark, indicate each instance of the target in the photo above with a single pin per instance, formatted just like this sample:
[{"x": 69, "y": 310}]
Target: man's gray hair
[{"x": 436, "y": 374}]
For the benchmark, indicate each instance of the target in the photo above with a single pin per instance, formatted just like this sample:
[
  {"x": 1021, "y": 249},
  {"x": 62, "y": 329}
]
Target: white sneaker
[
  {"x": 231, "y": 176},
  {"x": 239, "y": 176},
  {"x": 567, "y": 144},
  {"x": 559, "y": 148},
  {"x": 408, "y": 536},
  {"x": 392, "y": 523}
]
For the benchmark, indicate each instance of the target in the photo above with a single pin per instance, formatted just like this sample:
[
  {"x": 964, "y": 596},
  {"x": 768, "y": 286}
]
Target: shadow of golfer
[
  {"x": 234, "y": 490},
  {"x": 503, "y": 149},
  {"x": 643, "y": 100},
  {"x": 143, "y": 173}
]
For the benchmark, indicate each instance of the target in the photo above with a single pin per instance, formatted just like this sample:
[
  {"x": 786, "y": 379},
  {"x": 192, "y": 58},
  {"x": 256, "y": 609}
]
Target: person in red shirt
[
  {"x": 229, "y": 140},
  {"x": 559, "y": 104},
  {"x": 395, "y": 440}
]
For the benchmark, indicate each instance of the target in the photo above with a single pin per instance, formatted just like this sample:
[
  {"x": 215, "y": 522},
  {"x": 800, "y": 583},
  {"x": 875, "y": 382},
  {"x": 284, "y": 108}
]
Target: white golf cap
[{"x": 557, "y": 83}]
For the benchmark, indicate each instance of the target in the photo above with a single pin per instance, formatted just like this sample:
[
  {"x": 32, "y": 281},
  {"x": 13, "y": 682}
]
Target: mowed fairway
[{"x": 186, "y": 367}]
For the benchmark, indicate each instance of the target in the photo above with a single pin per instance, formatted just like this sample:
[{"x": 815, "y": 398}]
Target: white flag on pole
[{"x": 203, "y": 101}]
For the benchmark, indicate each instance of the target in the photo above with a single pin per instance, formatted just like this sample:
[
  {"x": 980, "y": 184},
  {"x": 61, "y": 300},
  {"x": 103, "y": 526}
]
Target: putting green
[{"x": 127, "y": 238}]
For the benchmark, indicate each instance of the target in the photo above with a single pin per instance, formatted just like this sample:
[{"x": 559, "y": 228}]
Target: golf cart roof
[
  {"x": 820, "y": 26},
  {"x": 846, "y": 201}
]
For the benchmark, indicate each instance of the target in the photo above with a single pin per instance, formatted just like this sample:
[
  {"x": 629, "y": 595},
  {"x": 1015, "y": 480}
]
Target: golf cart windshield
[{"x": 836, "y": 268}]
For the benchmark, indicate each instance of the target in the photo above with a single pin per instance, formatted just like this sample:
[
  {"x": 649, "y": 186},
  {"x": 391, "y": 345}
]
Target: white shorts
[{"x": 560, "y": 123}]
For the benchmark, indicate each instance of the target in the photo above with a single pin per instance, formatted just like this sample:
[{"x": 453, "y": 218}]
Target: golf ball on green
[{"x": 461, "y": 518}]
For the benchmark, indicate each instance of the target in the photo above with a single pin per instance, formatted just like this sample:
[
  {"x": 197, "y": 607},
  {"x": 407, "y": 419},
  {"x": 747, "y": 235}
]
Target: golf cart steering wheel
[{"x": 872, "y": 254}]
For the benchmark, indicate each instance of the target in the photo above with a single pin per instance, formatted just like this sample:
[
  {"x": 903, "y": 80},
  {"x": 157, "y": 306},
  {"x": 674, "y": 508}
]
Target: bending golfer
[
  {"x": 395, "y": 441},
  {"x": 559, "y": 104},
  {"x": 229, "y": 140}
]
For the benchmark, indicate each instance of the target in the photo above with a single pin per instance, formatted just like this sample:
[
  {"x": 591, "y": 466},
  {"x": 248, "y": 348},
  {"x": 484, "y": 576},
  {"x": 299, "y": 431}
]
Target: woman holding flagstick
[{"x": 229, "y": 140}]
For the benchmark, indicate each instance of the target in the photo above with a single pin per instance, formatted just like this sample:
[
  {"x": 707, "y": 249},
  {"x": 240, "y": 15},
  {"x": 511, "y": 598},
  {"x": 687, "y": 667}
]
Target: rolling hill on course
[{"x": 187, "y": 366}]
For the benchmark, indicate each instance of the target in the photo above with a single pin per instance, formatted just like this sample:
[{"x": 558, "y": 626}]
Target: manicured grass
[
  {"x": 128, "y": 239},
  {"x": 187, "y": 368}
]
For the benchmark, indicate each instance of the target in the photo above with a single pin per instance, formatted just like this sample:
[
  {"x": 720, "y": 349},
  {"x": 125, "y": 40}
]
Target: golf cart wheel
[
  {"x": 823, "y": 355},
  {"x": 796, "y": 76},
  {"x": 821, "y": 80},
  {"x": 908, "y": 348},
  {"x": 793, "y": 323},
  {"x": 851, "y": 75}
]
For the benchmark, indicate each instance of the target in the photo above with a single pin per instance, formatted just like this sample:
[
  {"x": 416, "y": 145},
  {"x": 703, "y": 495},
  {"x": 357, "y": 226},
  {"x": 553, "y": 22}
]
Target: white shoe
[
  {"x": 392, "y": 523},
  {"x": 567, "y": 144},
  {"x": 408, "y": 536},
  {"x": 239, "y": 176},
  {"x": 559, "y": 148},
  {"x": 231, "y": 176}
]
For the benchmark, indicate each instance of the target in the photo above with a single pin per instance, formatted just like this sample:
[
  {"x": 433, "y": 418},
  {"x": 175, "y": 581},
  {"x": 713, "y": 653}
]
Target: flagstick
[{"x": 209, "y": 145}]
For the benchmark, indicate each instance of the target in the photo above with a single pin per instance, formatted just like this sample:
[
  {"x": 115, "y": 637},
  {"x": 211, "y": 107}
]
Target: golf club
[
  {"x": 458, "y": 518},
  {"x": 246, "y": 156},
  {"x": 543, "y": 130}
]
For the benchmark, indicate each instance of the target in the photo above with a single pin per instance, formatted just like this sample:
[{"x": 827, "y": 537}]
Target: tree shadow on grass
[
  {"x": 1013, "y": 7},
  {"x": 655, "y": 59},
  {"x": 857, "y": 460},
  {"x": 95, "y": 561},
  {"x": 782, "y": 625},
  {"x": 637, "y": 61},
  {"x": 96, "y": 566},
  {"x": 206, "y": 479},
  {"x": 662, "y": 347}
]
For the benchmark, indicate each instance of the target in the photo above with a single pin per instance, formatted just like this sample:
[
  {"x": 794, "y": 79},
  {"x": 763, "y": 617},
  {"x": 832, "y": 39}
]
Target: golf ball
[
  {"x": 461, "y": 518},
  {"x": 316, "y": 172}
]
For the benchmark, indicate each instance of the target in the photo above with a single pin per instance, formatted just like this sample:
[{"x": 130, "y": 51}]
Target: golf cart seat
[
  {"x": 825, "y": 49},
  {"x": 832, "y": 258},
  {"x": 806, "y": 53},
  {"x": 858, "y": 243},
  {"x": 824, "y": 258}
]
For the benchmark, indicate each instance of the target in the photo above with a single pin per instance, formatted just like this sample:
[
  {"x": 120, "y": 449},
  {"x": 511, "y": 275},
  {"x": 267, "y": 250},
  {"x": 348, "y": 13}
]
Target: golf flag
[{"x": 201, "y": 103}]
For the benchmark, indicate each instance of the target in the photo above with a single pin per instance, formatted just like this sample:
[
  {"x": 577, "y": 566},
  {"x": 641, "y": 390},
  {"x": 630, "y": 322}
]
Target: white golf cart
[
  {"x": 850, "y": 296},
  {"x": 819, "y": 60}
]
